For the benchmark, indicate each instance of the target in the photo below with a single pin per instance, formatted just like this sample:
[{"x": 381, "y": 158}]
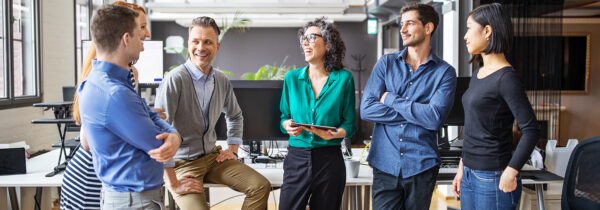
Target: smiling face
[
  {"x": 145, "y": 33},
  {"x": 203, "y": 47},
  {"x": 412, "y": 30},
  {"x": 475, "y": 36},
  {"x": 313, "y": 46}
]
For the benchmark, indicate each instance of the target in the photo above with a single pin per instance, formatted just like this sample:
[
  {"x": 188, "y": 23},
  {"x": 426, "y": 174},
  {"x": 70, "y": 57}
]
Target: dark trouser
[
  {"x": 315, "y": 173},
  {"x": 392, "y": 192}
]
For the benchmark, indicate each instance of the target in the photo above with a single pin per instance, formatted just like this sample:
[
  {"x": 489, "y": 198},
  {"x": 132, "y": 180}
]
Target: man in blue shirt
[
  {"x": 126, "y": 138},
  {"x": 408, "y": 96}
]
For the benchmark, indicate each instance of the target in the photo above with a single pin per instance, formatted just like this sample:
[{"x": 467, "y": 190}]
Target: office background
[{"x": 253, "y": 48}]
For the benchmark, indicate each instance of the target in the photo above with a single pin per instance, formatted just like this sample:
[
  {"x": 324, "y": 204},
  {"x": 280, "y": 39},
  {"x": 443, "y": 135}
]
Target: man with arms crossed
[
  {"x": 125, "y": 137},
  {"x": 193, "y": 96},
  {"x": 408, "y": 96}
]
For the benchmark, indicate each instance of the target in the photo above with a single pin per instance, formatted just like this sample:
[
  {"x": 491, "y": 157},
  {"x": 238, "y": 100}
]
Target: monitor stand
[
  {"x": 442, "y": 138},
  {"x": 255, "y": 148}
]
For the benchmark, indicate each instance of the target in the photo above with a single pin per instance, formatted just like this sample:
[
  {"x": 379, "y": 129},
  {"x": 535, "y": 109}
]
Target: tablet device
[{"x": 316, "y": 126}]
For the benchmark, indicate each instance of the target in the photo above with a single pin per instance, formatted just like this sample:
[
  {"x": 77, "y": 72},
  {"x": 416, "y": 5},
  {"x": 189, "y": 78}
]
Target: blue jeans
[{"x": 479, "y": 190}]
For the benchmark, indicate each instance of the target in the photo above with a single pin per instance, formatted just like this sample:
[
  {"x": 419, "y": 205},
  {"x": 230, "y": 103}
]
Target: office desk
[
  {"x": 352, "y": 198},
  {"x": 37, "y": 166}
]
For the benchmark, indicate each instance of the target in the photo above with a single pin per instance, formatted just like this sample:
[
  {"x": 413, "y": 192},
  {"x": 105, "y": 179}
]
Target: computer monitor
[
  {"x": 259, "y": 101},
  {"x": 457, "y": 113},
  {"x": 149, "y": 64},
  {"x": 456, "y": 117}
]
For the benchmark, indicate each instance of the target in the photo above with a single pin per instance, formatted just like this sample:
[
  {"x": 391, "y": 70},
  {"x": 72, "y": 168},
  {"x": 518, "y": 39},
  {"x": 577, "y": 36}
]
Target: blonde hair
[{"x": 87, "y": 64}]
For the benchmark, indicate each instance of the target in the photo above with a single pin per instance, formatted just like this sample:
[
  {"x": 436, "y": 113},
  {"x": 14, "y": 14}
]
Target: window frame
[{"x": 11, "y": 101}]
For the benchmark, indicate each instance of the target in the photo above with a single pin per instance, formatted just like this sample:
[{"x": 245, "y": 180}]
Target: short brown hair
[
  {"x": 427, "y": 13},
  {"x": 109, "y": 23},
  {"x": 205, "y": 21}
]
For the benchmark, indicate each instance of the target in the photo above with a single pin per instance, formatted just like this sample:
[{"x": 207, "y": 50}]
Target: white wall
[{"x": 57, "y": 70}]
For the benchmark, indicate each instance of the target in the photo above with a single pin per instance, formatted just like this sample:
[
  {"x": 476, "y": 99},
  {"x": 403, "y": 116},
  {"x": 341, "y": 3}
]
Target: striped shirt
[{"x": 81, "y": 187}]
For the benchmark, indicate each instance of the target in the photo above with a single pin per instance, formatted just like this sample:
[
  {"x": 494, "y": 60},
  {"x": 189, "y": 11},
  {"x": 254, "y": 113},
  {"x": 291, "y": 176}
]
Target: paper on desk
[
  {"x": 536, "y": 159},
  {"x": 15, "y": 145}
]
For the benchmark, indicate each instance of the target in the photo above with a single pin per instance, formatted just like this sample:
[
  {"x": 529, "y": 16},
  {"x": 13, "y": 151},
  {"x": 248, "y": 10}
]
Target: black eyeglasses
[{"x": 310, "y": 37}]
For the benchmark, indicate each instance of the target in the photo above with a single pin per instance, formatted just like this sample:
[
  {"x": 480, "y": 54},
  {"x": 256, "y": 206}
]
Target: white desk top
[{"x": 39, "y": 166}]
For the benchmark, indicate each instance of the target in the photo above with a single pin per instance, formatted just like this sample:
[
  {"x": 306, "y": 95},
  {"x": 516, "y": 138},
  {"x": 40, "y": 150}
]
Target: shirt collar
[
  {"x": 432, "y": 57},
  {"x": 196, "y": 73},
  {"x": 113, "y": 71},
  {"x": 333, "y": 75}
]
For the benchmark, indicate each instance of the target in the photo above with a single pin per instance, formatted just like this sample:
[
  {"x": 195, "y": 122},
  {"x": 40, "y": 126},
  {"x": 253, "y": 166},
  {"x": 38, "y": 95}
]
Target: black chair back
[{"x": 581, "y": 188}]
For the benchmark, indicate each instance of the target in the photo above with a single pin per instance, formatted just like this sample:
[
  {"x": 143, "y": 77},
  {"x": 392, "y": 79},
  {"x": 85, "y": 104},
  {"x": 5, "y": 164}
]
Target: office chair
[{"x": 581, "y": 187}]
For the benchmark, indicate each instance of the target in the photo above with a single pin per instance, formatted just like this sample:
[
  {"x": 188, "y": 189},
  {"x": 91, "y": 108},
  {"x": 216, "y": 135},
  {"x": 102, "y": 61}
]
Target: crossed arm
[{"x": 381, "y": 106}]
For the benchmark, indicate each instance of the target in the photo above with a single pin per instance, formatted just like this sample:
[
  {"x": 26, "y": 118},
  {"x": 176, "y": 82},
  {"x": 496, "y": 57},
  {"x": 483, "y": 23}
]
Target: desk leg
[
  {"x": 12, "y": 193},
  {"x": 352, "y": 196},
  {"x": 367, "y": 197},
  {"x": 540, "y": 196},
  {"x": 38, "y": 198},
  {"x": 171, "y": 201},
  {"x": 207, "y": 195},
  {"x": 358, "y": 196},
  {"x": 345, "y": 198}
]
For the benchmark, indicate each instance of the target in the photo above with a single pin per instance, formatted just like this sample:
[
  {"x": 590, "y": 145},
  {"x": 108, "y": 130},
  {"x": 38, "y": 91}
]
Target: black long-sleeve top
[{"x": 491, "y": 105}]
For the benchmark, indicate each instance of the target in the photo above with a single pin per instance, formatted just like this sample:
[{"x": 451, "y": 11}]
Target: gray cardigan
[{"x": 177, "y": 96}]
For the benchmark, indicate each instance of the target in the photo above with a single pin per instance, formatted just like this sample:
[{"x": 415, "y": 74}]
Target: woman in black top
[{"x": 488, "y": 174}]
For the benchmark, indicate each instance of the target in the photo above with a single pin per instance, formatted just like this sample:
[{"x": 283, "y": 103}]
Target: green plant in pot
[{"x": 269, "y": 72}]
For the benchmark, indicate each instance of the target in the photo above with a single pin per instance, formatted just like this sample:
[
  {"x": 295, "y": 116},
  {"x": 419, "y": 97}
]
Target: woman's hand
[
  {"x": 293, "y": 131},
  {"x": 508, "y": 180},
  {"x": 327, "y": 134},
  {"x": 161, "y": 113},
  {"x": 458, "y": 179}
]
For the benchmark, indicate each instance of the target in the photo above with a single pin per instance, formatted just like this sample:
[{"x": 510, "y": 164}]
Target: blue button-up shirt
[
  {"x": 120, "y": 129},
  {"x": 404, "y": 138},
  {"x": 204, "y": 86}
]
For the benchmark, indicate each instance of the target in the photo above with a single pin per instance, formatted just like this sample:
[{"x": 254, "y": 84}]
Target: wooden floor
[{"x": 438, "y": 202}]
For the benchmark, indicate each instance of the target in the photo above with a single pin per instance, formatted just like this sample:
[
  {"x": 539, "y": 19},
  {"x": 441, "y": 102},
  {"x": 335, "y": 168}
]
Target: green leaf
[
  {"x": 248, "y": 76},
  {"x": 237, "y": 23},
  {"x": 227, "y": 72},
  {"x": 260, "y": 73}
]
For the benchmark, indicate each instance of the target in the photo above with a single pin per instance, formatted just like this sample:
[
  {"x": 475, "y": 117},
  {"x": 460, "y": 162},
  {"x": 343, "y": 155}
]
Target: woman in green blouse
[{"x": 321, "y": 93}]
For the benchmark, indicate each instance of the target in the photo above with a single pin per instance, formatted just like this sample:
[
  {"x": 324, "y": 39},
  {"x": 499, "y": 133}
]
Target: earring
[{"x": 487, "y": 38}]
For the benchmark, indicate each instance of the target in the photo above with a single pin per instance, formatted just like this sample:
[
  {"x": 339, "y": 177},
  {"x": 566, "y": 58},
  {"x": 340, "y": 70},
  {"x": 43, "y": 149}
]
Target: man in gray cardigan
[{"x": 193, "y": 96}]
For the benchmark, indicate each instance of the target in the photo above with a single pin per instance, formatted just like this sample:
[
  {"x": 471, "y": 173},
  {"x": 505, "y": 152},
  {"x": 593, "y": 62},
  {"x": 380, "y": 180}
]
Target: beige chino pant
[{"x": 232, "y": 173}]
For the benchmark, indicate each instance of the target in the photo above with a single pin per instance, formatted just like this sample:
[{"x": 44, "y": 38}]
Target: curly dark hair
[{"x": 336, "y": 50}]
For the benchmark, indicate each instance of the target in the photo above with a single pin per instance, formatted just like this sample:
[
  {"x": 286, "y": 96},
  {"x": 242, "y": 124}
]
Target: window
[
  {"x": 83, "y": 16},
  {"x": 82, "y": 31},
  {"x": 19, "y": 49}
]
